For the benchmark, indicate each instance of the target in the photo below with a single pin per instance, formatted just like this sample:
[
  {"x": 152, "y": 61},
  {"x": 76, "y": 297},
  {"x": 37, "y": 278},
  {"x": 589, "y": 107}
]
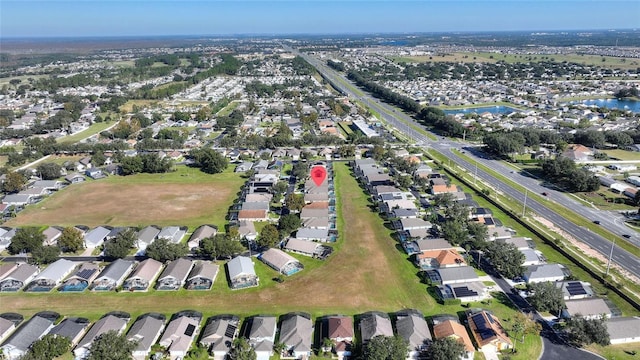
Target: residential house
[
  {"x": 115, "y": 321},
  {"x": 545, "y": 272},
  {"x": 281, "y": 262},
  {"x": 488, "y": 331},
  {"x": 172, "y": 233},
  {"x": 113, "y": 275},
  {"x": 453, "y": 275},
  {"x": 573, "y": 290},
  {"x": 532, "y": 257},
  {"x": 202, "y": 276},
  {"x": 577, "y": 152},
  {"x": 444, "y": 189},
  {"x": 262, "y": 333},
  {"x": 142, "y": 277},
  {"x": 145, "y": 332},
  {"x": 96, "y": 237},
  {"x": 413, "y": 328},
  {"x": 51, "y": 185},
  {"x": 72, "y": 328},
  {"x": 179, "y": 334},
  {"x": 18, "y": 278},
  {"x": 295, "y": 333},
  {"x": 244, "y": 167},
  {"x": 7, "y": 268},
  {"x": 174, "y": 275},
  {"x": 84, "y": 164},
  {"x": 8, "y": 324},
  {"x": 309, "y": 234},
  {"x": 247, "y": 230},
  {"x": 436, "y": 259},
  {"x": 339, "y": 329},
  {"x": 95, "y": 173},
  {"x": 465, "y": 292},
  {"x": 52, "y": 276},
  {"x": 51, "y": 235},
  {"x": 219, "y": 333},
  {"x": 81, "y": 278},
  {"x": 242, "y": 273},
  {"x": 623, "y": 330},
  {"x": 145, "y": 237},
  {"x": 18, "y": 200},
  {"x": 19, "y": 342},
  {"x": 374, "y": 323},
  {"x": 453, "y": 329},
  {"x": 589, "y": 308},
  {"x": 303, "y": 247},
  {"x": 74, "y": 178},
  {"x": 202, "y": 232},
  {"x": 521, "y": 243},
  {"x": 253, "y": 215}
]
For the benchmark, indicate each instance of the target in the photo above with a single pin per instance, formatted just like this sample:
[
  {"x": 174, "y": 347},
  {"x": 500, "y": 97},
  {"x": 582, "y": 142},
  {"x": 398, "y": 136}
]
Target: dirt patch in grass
[{"x": 101, "y": 203}]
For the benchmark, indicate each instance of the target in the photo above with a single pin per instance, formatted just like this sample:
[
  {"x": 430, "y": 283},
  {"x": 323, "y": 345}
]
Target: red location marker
[{"x": 318, "y": 174}]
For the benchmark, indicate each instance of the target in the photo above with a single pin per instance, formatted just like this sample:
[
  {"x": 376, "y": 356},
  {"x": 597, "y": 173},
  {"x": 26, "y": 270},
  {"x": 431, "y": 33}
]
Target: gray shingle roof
[
  {"x": 373, "y": 324},
  {"x": 146, "y": 330},
  {"x": 57, "y": 271},
  {"x": 240, "y": 265},
  {"x": 457, "y": 274},
  {"x": 413, "y": 327},
  {"x": 295, "y": 332},
  {"x": 31, "y": 331}
]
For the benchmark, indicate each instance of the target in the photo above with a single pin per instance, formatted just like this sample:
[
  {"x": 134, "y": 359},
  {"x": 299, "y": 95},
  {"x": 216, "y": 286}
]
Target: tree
[
  {"x": 48, "y": 347},
  {"x": 163, "y": 250},
  {"x": 289, "y": 223},
  {"x": 546, "y": 296},
  {"x": 118, "y": 247},
  {"x": 300, "y": 170},
  {"x": 404, "y": 181},
  {"x": 26, "y": 239},
  {"x": 209, "y": 160},
  {"x": 45, "y": 254},
  {"x": 524, "y": 324},
  {"x": 443, "y": 200},
  {"x": 71, "y": 240},
  {"x": 14, "y": 182},
  {"x": 583, "y": 331},
  {"x": 131, "y": 165},
  {"x": 478, "y": 232},
  {"x": 386, "y": 348},
  {"x": 49, "y": 171},
  {"x": 506, "y": 258},
  {"x": 454, "y": 232},
  {"x": 241, "y": 350},
  {"x": 111, "y": 346},
  {"x": 445, "y": 349},
  {"x": 98, "y": 158},
  {"x": 220, "y": 246},
  {"x": 295, "y": 202},
  {"x": 269, "y": 236}
]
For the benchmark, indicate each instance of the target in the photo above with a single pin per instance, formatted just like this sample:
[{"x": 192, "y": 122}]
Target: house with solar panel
[
  {"x": 174, "y": 275},
  {"x": 145, "y": 332},
  {"x": 114, "y": 321},
  {"x": 142, "y": 277},
  {"x": 488, "y": 331},
  {"x": 262, "y": 335},
  {"x": 573, "y": 290},
  {"x": 180, "y": 333},
  {"x": 52, "y": 276},
  {"x": 81, "y": 278},
  {"x": 19, "y": 277},
  {"x": 242, "y": 273},
  {"x": 219, "y": 333},
  {"x": 282, "y": 262},
  {"x": 465, "y": 292},
  {"x": 202, "y": 276},
  {"x": 113, "y": 275},
  {"x": 19, "y": 342}
]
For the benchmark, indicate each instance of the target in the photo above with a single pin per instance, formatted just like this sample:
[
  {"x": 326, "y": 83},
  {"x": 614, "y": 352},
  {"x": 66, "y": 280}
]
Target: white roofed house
[
  {"x": 218, "y": 335},
  {"x": 113, "y": 275},
  {"x": 145, "y": 332},
  {"x": 202, "y": 276},
  {"x": 180, "y": 332},
  {"x": 142, "y": 277},
  {"x": 172, "y": 233},
  {"x": 262, "y": 334},
  {"x": 174, "y": 275},
  {"x": 145, "y": 237},
  {"x": 545, "y": 272},
  {"x": 282, "y": 262},
  {"x": 96, "y": 237},
  {"x": 242, "y": 273},
  {"x": 114, "y": 321},
  {"x": 52, "y": 276}
]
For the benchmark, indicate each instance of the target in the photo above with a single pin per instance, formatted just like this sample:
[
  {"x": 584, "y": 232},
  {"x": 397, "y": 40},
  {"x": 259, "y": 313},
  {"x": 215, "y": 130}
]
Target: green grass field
[
  {"x": 618, "y": 154},
  {"x": 91, "y": 130}
]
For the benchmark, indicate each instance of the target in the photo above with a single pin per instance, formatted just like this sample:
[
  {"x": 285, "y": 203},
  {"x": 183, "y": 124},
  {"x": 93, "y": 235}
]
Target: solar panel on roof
[
  {"x": 86, "y": 273},
  {"x": 464, "y": 291},
  {"x": 189, "y": 330},
  {"x": 483, "y": 329},
  {"x": 575, "y": 288},
  {"x": 231, "y": 330}
]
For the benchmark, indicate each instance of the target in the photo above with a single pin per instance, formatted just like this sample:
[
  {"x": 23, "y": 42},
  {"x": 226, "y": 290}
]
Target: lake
[
  {"x": 499, "y": 109},
  {"x": 622, "y": 104}
]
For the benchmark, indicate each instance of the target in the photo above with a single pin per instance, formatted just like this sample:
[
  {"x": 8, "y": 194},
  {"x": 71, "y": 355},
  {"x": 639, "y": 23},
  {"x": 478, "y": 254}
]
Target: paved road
[{"x": 400, "y": 121}]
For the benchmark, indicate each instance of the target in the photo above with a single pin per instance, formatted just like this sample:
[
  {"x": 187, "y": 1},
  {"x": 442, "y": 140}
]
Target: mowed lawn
[{"x": 185, "y": 197}]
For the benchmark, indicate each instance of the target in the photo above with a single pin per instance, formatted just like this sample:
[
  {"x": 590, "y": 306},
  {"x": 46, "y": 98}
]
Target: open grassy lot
[
  {"x": 473, "y": 57},
  {"x": 184, "y": 197},
  {"x": 128, "y": 106},
  {"x": 618, "y": 154},
  {"x": 91, "y": 130}
]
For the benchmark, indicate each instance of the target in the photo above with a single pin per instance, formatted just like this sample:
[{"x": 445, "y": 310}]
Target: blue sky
[{"x": 27, "y": 18}]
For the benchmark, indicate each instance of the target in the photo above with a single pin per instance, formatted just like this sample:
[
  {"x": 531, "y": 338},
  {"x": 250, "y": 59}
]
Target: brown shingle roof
[{"x": 452, "y": 328}]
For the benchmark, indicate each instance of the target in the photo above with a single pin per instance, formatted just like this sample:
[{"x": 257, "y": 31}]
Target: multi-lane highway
[{"x": 400, "y": 121}]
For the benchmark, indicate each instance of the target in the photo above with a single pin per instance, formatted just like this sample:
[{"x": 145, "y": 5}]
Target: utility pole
[
  {"x": 613, "y": 244},
  {"x": 524, "y": 207}
]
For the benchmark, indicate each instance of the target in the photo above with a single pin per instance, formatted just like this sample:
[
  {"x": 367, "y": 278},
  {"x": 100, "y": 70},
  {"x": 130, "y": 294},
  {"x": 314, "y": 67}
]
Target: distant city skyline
[{"x": 157, "y": 18}]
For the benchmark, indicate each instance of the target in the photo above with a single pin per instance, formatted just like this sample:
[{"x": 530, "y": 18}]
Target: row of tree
[
  {"x": 563, "y": 171},
  {"x": 382, "y": 92}
]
